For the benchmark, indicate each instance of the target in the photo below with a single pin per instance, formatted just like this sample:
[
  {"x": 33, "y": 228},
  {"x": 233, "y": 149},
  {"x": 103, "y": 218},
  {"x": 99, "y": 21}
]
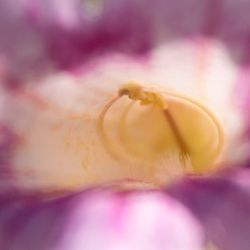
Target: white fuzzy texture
[{"x": 60, "y": 150}]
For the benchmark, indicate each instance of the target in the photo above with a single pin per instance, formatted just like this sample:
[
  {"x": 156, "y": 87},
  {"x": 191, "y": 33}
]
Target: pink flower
[{"x": 124, "y": 125}]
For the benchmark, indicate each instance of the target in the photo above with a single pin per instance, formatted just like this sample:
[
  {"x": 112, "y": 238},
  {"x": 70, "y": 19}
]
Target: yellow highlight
[{"x": 160, "y": 123}]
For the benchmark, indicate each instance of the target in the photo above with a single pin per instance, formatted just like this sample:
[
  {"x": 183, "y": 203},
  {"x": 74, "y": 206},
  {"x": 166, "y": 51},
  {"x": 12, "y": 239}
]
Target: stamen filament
[
  {"x": 189, "y": 154},
  {"x": 122, "y": 130},
  {"x": 179, "y": 139},
  {"x": 101, "y": 130}
]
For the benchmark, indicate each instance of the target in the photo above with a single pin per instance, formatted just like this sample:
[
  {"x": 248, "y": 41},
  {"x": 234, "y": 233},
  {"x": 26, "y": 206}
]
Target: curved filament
[
  {"x": 185, "y": 154},
  {"x": 122, "y": 131},
  {"x": 211, "y": 116},
  {"x": 179, "y": 139},
  {"x": 148, "y": 97},
  {"x": 101, "y": 130},
  {"x": 184, "y": 157}
]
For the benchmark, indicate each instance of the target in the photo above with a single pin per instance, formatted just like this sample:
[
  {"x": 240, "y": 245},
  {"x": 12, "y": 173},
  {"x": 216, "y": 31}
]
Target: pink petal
[
  {"x": 37, "y": 36},
  {"x": 97, "y": 219},
  {"x": 222, "y": 205}
]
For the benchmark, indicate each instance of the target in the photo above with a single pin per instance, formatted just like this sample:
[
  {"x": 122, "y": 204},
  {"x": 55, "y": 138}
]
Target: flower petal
[
  {"x": 222, "y": 204},
  {"x": 88, "y": 220},
  {"x": 39, "y": 35}
]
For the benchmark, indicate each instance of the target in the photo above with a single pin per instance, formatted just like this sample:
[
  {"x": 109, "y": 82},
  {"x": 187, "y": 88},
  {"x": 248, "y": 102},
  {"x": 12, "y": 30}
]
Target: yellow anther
[
  {"x": 132, "y": 90},
  {"x": 138, "y": 93}
]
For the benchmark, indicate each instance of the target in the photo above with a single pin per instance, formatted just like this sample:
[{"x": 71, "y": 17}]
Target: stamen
[
  {"x": 165, "y": 102},
  {"x": 179, "y": 138},
  {"x": 135, "y": 92},
  {"x": 122, "y": 131},
  {"x": 101, "y": 131},
  {"x": 216, "y": 123}
]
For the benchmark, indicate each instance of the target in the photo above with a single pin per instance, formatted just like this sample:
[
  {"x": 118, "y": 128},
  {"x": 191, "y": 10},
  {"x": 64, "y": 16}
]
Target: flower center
[
  {"x": 142, "y": 124},
  {"x": 142, "y": 137}
]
